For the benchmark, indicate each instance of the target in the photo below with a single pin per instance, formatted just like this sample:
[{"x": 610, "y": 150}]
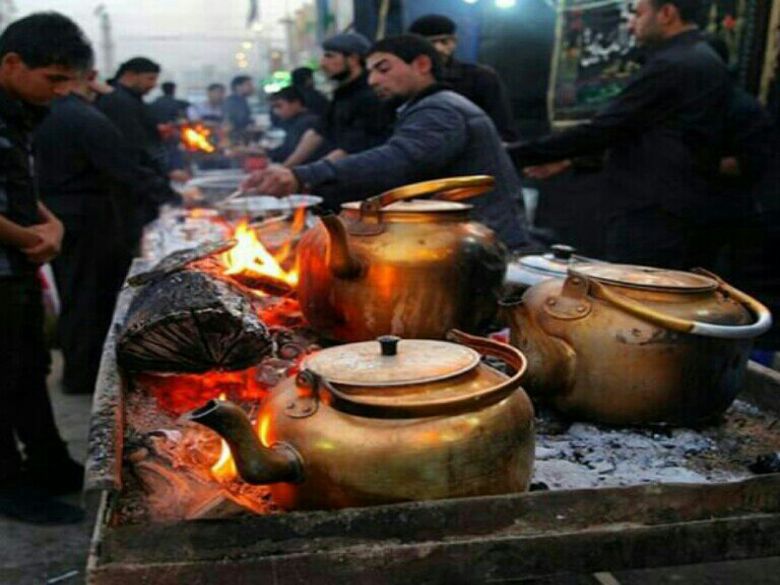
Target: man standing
[
  {"x": 86, "y": 180},
  {"x": 664, "y": 134},
  {"x": 356, "y": 119},
  {"x": 479, "y": 83},
  {"x": 39, "y": 55},
  {"x": 437, "y": 134},
  {"x": 288, "y": 106},
  {"x": 212, "y": 111},
  {"x": 168, "y": 108},
  {"x": 142, "y": 143},
  {"x": 238, "y": 114}
]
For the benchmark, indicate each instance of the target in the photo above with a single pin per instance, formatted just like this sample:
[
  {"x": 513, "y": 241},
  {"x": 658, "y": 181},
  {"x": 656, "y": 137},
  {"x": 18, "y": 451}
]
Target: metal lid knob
[
  {"x": 389, "y": 344},
  {"x": 562, "y": 251}
]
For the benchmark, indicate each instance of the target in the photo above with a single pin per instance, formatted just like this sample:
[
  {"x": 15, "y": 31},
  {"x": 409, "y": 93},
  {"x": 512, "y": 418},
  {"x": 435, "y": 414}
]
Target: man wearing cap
[
  {"x": 477, "y": 82},
  {"x": 356, "y": 119},
  {"x": 437, "y": 134}
]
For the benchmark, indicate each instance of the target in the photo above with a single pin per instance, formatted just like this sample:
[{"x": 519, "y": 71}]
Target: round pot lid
[
  {"x": 392, "y": 362},
  {"x": 416, "y": 206},
  {"x": 646, "y": 277}
]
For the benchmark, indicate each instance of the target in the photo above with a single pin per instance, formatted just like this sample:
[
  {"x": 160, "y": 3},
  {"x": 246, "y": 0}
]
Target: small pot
[
  {"x": 389, "y": 421},
  {"x": 632, "y": 345}
]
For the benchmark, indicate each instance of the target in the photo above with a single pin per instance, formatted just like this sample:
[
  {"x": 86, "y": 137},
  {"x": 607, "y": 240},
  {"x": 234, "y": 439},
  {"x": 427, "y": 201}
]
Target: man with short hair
[
  {"x": 303, "y": 80},
  {"x": 288, "y": 106},
  {"x": 664, "y": 134},
  {"x": 168, "y": 108},
  {"x": 238, "y": 114},
  {"x": 356, "y": 119},
  {"x": 39, "y": 56},
  {"x": 142, "y": 143},
  {"x": 212, "y": 110},
  {"x": 479, "y": 83},
  {"x": 437, "y": 134}
]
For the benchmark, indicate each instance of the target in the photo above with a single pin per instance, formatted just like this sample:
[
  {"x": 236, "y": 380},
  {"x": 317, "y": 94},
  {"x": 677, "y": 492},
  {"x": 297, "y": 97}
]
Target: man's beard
[{"x": 342, "y": 75}]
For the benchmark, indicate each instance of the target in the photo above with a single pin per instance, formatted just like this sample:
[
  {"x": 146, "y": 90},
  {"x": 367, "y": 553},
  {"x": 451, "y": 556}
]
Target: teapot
[
  {"x": 387, "y": 421},
  {"x": 624, "y": 344},
  {"x": 388, "y": 265}
]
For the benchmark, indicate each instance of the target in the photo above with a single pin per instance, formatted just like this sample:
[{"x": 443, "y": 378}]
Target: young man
[
  {"x": 437, "y": 134},
  {"x": 238, "y": 114},
  {"x": 664, "y": 134},
  {"x": 87, "y": 181},
  {"x": 39, "y": 57},
  {"x": 288, "y": 106},
  {"x": 479, "y": 83},
  {"x": 142, "y": 143},
  {"x": 212, "y": 111},
  {"x": 356, "y": 119},
  {"x": 315, "y": 101}
]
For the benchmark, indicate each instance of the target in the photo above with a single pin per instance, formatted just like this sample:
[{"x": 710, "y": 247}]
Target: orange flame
[
  {"x": 249, "y": 256},
  {"x": 225, "y": 468},
  {"x": 197, "y": 138}
]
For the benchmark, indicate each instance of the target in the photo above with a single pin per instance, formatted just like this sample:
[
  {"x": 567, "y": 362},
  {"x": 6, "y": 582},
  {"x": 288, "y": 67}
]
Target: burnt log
[{"x": 190, "y": 321}]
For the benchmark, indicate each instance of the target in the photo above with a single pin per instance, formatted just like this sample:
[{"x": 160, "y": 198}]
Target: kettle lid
[
  {"x": 646, "y": 277},
  {"x": 392, "y": 361},
  {"x": 416, "y": 206}
]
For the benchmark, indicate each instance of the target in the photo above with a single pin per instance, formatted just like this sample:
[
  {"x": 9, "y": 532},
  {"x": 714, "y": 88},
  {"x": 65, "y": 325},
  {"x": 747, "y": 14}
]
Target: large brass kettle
[
  {"x": 360, "y": 425},
  {"x": 631, "y": 345},
  {"x": 388, "y": 265}
]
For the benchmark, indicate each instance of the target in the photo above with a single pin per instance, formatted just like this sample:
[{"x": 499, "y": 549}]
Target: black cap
[
  {"x": 348, "y": 43},
  {"x": 433, "y": 25}
]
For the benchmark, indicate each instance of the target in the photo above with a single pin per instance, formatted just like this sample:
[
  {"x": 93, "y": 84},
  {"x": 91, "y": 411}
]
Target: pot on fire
[
  {"x": 411, "y": 268},
  {"x": 629, "y": 344},
  {"x": 389, "y": 421}
]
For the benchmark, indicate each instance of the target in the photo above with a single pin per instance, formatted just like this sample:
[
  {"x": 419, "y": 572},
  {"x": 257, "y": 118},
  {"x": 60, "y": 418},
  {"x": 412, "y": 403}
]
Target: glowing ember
[
  {"x": 196, "y": 138},
  {"x": 251, "y": 259}
]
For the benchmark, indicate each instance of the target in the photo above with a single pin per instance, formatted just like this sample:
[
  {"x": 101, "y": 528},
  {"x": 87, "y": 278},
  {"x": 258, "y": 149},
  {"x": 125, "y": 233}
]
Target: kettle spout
[
  {"x": 340, "y": 259},
  {"x": 255, "y": 463}
]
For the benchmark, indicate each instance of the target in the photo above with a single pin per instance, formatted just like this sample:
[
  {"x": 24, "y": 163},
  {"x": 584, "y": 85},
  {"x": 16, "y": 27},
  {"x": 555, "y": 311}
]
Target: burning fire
[
  {"x": 197, "y": 138},
  {"x": 252, "y": 260}
]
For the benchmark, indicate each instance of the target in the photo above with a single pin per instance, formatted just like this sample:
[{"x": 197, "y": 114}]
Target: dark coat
[{"x": 438, "y": 134}]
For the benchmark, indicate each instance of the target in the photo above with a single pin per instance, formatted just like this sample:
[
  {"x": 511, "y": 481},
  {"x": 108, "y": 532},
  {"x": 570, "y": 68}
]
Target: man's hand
[
  {"x": 275, "y": 180},
  {"x": 50, "y": 239},
  {"x": 179, "y": 176},
  {"x": 548, "y": 170}
]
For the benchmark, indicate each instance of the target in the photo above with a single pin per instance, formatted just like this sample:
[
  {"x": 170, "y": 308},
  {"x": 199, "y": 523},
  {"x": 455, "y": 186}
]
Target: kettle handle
[
  {"x": 450, "y": 189},
  {"x": 762, "y": 324},
  {"x": 477, "y": 399}
]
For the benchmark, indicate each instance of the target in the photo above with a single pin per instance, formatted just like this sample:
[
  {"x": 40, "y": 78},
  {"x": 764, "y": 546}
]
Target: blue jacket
[{"x": 438, "y": 134}]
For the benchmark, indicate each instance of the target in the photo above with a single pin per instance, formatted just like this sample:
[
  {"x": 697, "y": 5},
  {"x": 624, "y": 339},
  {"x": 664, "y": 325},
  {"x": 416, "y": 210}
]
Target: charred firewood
[
  {"x": 190, "y": 321},
  {"x": 179, "y": 261}
]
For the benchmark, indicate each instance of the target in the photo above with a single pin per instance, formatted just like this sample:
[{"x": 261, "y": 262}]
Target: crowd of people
[{"x": 403, "y": 109}]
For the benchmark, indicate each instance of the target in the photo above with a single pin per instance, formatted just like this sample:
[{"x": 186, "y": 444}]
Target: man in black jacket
[
  {"x": 39, "y": 56},
  {"x": 142, "y": 143},
  {"x": 664, "y": 134},
  {"x": 479, "y": 83},
  {"x": 88, "y": 182},
  {"x": 356, "y": 119}
]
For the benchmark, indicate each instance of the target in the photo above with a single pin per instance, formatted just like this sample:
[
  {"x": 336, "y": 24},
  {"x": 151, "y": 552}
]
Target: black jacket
[
  {"x": 18, "y": 199},
  {"x": 664, "y": 132},
  {"x": 484, "y": 87},
  {"x": 357, "y": 120},
  {"x": 81, "y": 166},
  {"x": 142, "y": 144}
]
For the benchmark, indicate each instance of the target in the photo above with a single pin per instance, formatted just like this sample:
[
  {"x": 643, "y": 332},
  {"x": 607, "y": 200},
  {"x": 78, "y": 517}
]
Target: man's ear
[
  {"x": 11, "y": 61},
  {"x": 423, "y": 64},
  {"x": 668, "y": 14}
]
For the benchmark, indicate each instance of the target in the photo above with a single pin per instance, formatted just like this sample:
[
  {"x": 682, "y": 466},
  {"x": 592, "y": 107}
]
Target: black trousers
[
  {"x": 25, "y": 408},
  {"x": 89, "y": 273}
]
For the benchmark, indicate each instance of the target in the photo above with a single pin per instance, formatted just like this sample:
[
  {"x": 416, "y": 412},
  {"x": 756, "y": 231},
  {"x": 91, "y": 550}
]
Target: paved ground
[{"x": 32, "y": 555}]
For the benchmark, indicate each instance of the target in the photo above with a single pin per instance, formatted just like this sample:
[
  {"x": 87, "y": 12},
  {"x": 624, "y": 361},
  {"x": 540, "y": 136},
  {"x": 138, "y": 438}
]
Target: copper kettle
[
  {"x": 631, "y": 345},
  {"x": 399, "y": 420},
  {"x": 388, "y": 265}
]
